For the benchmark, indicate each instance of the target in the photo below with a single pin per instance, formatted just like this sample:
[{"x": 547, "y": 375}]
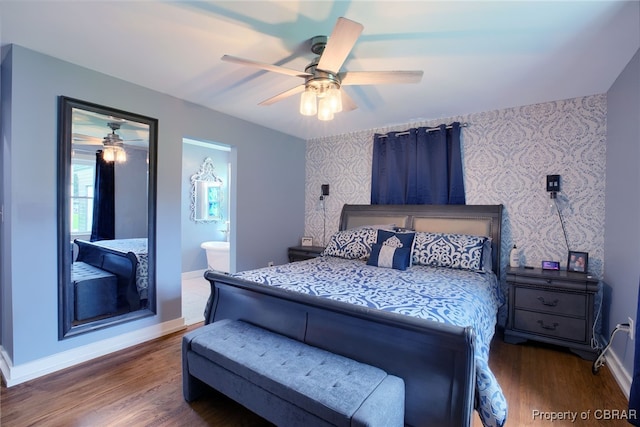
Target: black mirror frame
[{"x": 65, "y": 291}]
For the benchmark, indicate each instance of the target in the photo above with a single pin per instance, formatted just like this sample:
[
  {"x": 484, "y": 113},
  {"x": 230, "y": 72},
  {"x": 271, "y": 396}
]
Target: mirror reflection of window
[
  {"x": 206, "y": 194},
  {"x": 83, "y": 170},
  {"x": 213, "y": 202}
]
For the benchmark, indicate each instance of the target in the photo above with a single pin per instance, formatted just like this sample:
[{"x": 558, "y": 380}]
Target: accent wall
[{"x": 507, "y": 155}]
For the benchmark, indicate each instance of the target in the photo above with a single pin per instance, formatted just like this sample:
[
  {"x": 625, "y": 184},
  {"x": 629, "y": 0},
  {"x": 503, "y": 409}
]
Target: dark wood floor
[{"x": 142, "y": 386}]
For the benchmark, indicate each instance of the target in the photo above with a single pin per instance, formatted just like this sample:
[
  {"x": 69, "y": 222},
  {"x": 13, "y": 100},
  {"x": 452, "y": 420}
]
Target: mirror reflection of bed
[{"x": 117, "y": 284}]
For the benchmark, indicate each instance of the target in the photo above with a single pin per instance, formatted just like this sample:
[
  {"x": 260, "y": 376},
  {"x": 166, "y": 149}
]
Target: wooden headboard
[{"x": 477, "y": 220}]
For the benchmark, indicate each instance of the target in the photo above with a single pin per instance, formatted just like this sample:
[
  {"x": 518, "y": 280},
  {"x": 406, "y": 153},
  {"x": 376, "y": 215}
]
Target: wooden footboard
[
  {"x": 123, "y": 265},
  {"x": 435, "y": 360}
]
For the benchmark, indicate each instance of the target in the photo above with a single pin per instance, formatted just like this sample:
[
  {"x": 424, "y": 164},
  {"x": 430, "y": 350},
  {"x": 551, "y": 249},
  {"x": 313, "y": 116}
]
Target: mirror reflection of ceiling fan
[
  {"x": 112, "y": 144},
  {"x": 322, "y": 77},
  {"x": 89, "y": 129},
  {"x": 112, "y": 137}
]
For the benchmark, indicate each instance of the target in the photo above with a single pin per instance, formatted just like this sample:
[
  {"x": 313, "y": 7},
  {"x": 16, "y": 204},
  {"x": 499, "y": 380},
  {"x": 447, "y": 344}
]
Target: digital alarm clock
[{"x": 550, "y": 265}]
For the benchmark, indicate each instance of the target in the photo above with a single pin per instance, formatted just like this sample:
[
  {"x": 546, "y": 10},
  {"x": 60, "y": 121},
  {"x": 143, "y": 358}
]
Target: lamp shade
[
  {"x": 108, "y": 154},
  {"x": 324, "y": 109},
  {"x": 335, "y": 99},
  {"x": 121, "y": 155},
  {"x": 308, "y": 105}
]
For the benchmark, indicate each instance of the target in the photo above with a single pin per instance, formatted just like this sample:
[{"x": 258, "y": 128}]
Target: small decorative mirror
[{"x": 206, "y": 194}]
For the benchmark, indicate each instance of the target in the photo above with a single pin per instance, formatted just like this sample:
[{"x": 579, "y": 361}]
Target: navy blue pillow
[{"x": 392, "y": 250}]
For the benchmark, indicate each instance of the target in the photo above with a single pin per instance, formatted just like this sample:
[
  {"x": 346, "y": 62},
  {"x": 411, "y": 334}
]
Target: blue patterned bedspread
[{"x": 446, "y": 295}]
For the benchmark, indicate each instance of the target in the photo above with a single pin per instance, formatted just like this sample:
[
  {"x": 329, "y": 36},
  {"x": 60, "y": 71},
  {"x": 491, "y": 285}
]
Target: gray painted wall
[
  {"x": 269, "y": 179},
  {"x": 622, "y": 224}
]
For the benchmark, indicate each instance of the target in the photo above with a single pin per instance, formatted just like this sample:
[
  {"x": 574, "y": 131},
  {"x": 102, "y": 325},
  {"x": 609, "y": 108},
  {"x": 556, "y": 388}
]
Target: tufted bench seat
[
  {"x": 95, "y": 291},
  {"x": 286, "y": 381}
]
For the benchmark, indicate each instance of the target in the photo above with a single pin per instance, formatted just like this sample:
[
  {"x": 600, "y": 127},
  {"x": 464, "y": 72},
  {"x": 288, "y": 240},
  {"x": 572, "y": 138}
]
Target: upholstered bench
[
  {"x": 95, "y": 290},
  {"x": 287, "y": 382}
]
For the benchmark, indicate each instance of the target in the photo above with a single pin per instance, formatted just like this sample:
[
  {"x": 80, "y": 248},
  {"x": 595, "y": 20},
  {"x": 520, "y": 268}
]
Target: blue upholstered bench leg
[{"x": 192, "y": 387}]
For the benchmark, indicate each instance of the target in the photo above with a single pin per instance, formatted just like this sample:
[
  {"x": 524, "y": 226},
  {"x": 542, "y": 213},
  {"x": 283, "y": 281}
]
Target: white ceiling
[{"x": 476, "y": 55}]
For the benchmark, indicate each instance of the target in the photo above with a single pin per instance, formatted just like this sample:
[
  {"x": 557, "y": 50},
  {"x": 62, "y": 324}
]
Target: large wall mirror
[{"x": 106, "y": 216}]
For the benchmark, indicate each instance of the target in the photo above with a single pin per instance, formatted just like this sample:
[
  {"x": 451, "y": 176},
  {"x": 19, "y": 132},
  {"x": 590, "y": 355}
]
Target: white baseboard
[
  {"x": 14, "y": 375},
  {"x": 195, "y": 274},
  {"x": 622, "y": 377}
]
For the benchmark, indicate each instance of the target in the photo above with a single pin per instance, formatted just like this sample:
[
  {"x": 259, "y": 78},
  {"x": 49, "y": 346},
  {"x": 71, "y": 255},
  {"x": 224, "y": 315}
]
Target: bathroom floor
[{"x": 195, "y": 292}]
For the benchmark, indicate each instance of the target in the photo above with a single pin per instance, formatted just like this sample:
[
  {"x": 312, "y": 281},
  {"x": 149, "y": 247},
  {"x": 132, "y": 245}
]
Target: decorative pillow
[
  {"x": 354, "y": 243},
  {"x": 390, "y": 257},
  {"x": 487, "y": 256},
  {"x": 392, "y": 250},
  {"x": 448, "y": 250}
]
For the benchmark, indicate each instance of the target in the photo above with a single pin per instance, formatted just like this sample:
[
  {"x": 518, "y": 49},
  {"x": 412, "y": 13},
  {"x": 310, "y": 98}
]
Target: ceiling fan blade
[
  {"x": 268, "y": 67},
  {"x": 283, "y": 95},
  {"x": 86, "y": 139},
  {"x": 340, "y": 43},
  {"x": 81, "y": 139},
  {"x": 379, "y": 77},
  {"x": 348, "y": 104}
]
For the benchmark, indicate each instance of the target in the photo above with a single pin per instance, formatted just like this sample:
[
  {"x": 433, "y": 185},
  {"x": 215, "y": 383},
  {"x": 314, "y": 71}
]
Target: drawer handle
[
  {"x": 548, "y": 327},
  {"x": 548, "y": 303}
]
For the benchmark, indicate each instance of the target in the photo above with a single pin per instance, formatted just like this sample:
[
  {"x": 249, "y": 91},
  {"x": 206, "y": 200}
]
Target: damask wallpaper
[{"x": 507, "y": 155}]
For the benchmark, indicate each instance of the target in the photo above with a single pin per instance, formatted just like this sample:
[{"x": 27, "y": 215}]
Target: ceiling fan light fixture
[
  {"x": 308, "y": 105},
  {"x": 324, "y": 109},
  {"x": 113, "y": 146},
  {"x": 322, "y": 75},
  {"x": 114, "y": 153}
]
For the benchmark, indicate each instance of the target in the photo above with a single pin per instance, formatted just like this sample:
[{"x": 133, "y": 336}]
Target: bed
[
  {"x": 429, "y": 323},
  {"x": 128, "y": 260}
]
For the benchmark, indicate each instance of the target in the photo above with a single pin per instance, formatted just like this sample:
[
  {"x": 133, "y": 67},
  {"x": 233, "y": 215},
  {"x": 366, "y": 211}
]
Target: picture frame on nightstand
[
  {"x": 307, "y": 241},
  {"x": 578, "y": 262}
]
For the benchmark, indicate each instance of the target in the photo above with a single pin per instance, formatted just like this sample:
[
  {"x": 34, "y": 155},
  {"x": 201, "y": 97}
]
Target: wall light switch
[{"x": 553, "y": 183}]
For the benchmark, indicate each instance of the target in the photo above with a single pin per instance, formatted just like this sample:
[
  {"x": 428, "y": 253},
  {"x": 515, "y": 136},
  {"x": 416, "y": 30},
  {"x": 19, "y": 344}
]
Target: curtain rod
[{"x": 462, "y": 125}]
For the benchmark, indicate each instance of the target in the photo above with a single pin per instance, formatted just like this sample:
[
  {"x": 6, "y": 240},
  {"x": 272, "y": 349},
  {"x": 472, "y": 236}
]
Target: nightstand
[
  {"x": 555, "y": 307},
  {"x": 300, "y": 253}
]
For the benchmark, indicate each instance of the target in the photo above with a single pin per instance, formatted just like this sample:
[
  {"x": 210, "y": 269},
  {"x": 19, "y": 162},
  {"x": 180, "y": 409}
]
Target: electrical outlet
[
  {"x": 632, "y": 329},
  {"x": 270, "y": 264}
]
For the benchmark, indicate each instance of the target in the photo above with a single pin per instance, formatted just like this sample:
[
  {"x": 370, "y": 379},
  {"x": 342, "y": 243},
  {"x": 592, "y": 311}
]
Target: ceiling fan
[
  {"x": 112, "y": 144},
  {"x": 322, "y": 77}
]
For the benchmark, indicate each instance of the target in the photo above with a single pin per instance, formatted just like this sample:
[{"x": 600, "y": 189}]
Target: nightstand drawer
[
  {"x": 550, "y": 325},
  {"x": 549, "y": 281},
  {"x": 551, "y": 302}
]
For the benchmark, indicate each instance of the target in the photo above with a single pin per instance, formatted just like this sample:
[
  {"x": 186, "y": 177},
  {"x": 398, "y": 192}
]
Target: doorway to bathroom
[{"x": 207, "y": 220}]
